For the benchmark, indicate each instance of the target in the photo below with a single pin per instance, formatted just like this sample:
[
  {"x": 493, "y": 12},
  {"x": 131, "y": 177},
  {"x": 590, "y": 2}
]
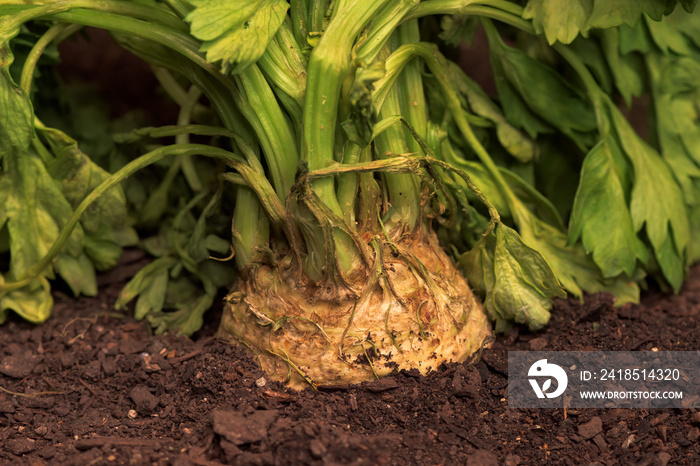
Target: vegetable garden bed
[
  {"x": 312, "y": 175},
  {"x": 183, "y": 391}
]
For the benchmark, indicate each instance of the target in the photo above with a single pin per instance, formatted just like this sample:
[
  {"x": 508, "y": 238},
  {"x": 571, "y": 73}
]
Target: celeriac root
[{"x": 416, "y": 312}]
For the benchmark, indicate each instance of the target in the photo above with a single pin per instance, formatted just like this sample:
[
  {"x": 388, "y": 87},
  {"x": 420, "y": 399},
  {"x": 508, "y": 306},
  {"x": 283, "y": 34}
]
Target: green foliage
[
  {"x": 600, "y": 214},
  {"x": 557, "y": 23},
  {"x": 236, "y": 32},
  {"x": 526, "y": 82},
  {"x": 518, "y": 283},
  {"x": 541, "y": 189},
  {"x": 564, "y": 22}
]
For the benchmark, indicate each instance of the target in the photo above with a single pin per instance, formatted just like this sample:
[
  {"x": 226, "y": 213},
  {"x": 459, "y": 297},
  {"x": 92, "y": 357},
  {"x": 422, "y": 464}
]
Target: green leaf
[
  {"x": 16, "y": 115},
  {"x": 32, "y": 302},
  {"x": 36, "y": 211},
  {"x": 79, "y": 176},
  {"x": 6, "y": 193},
  {"x": 152, "y": 297},
  {"x": 359, "y": 126},
  {"x": 688, "y": 5},
  {"x": 557, "y": 176},
  {"x": 236, "y": 32},
  {"x": 686, "y": 23},
  {"x": 600, "y": 215},
  {"x": 671, "y": 263},
  {"x": 523, "y": 190},
  {"x": 676, "y": 90},
  {"x": 79, "y": 274},
  {"x": 668, "y": 38},
  {"x": 190, "y": 305},
  {"x": 627, "y": 70},
  {"x": 694, "y": 246},
  {"x": 513, "y": 140},
  {"x": 636, "y": 39},
  {"x": 104, "y": 246},
  {"x": 196, "y": 246},
  {"x": 143, "y": 280},
  {"x": 612, "y": 13},
  {"x": 458, "y": 28},
  {"x": 591, "y": 54},
  {"x": 184, "y": 321},
  {"x": 535, "y": 201},
  {"x": 217, "y": 244},
  {"x": 657, "y": 201},
  {"x": 514, "y": 106},
  {"x": 544, "y": 90},
  {"x": 575, "y": 270},
  {"x": 516, "y": 280},
  {"x": 558, "y": 22}
]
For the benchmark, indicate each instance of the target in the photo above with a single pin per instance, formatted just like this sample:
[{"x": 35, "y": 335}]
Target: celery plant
[{"x": 342, "y": 144}]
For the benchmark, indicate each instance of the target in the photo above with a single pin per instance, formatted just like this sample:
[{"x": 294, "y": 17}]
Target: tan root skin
[{"x": 312, "y": 341}]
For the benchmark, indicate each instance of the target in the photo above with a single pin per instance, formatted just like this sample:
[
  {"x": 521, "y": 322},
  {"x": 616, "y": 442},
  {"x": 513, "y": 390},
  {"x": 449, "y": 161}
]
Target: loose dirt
[{"x": 92, "y": 386}]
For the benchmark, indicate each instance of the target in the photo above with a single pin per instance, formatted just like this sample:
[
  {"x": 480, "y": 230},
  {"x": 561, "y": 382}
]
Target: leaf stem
[
  {"x": 184, "y": 118},
  {"x": 504, "y": 11},
  {"x": 327, "y": 69},
  {"x": 126, "y": 171},
  {"x": 37, "y": 51}
]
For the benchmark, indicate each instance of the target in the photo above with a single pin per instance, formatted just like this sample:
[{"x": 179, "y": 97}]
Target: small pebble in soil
[
  {"x": 132, "y": 414},
  {"x": 628, "y": 441},
  {"x": 260, "y": 382}
]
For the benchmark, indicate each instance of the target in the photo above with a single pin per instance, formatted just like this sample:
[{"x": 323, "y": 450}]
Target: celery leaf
[
  {"x": 608, "y": 14},
  {"x": 558, "y": 22},
  {"x": 542, "y": 89},
  {"x": 518, "y": 144},
  {"x": 657, "y": 202},
  {"x": 600, "y": 215},
  {"x": 236, "y": 32},
  {"x": 16, "y": 115},
  {"x": 627, "y": 69},
  {"x": 575, "y": 269},
  {"x": 517, "y": 282},
  {"x": 32, "y": 302}
]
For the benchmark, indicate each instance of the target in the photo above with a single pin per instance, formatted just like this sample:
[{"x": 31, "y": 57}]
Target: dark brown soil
[{"x": 95, "y": 387}]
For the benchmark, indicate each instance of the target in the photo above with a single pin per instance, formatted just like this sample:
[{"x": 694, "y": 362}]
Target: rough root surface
[{"x": 416, "y": 314}]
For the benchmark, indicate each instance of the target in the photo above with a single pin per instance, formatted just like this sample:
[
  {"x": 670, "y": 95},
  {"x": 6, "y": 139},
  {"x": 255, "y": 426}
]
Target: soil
[{"x": 92, "y": 386}]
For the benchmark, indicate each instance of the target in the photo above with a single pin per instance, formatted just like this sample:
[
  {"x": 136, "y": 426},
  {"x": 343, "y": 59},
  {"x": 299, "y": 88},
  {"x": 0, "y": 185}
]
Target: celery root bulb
[{"x": 416, "y": 314}]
